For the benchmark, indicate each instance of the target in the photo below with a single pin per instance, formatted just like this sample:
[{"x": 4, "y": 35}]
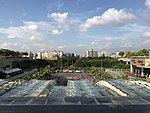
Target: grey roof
[
  {"x": 76, "y": 100},
  {"x": 12, "y": 70},
  {"x": 81, "y": 88},
  {"x": 32, "y": 88},
  {"x": 130, "y": 88}
]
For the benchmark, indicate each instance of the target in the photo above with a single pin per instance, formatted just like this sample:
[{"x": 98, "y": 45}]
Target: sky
[{"x": 74, "y": 25}]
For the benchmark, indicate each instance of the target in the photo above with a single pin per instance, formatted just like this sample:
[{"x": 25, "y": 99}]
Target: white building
[
  {"x": 140, "y": 65},
  {"x": 30, "y": 55},
  {"x": 115, "y": 55},
  {"x": 91, "y": 53},
  {"x": 127, "y": 60},
  {"x": 39, "y": 55},
  {"x": 101, "y": 53},
  {"x": 54, "y": 55},
  {"x": 60, "y": 54}
]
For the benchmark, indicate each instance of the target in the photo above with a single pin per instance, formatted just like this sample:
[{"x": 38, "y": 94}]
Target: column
[
  {"x": 142, "y": 73},
  {"x": 131, "y": 68}
]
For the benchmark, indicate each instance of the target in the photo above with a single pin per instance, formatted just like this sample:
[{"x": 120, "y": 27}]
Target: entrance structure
[{"x": 140, "y": 65}]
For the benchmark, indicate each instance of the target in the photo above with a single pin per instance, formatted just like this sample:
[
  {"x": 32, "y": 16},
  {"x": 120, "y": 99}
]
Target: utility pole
[
  {"x": 68, "y": 61},
  {"x": 61, "y": 64},
  {"x": 92, "y": 53},
  {"x": 101, "y": 64},
  {"x": 149, "y": 54}
]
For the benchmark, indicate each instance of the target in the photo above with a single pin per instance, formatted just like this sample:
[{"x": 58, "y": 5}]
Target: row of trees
[
  {"x": 7, "y": 52},
  {"x": 104, "y": 62},
  {"x": 30, "y": 64},
  {"x": 97, "y": 73},
  {"x": 100, "y": 74},
  {"x": 40, "y": 74},
  {"x": 143, "y": 52}
]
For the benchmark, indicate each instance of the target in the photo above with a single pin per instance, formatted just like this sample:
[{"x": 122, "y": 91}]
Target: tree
[
  {"x": 121, "y": 53},
  {"x": 103, "y": 55},
  {"x": 130, "y": 54},
  {"x": 24, "y": 53},
  {"x": 18, "y": 53},
  {"x": 6, "y": 52},
  {"x": 143, "y": 52}
]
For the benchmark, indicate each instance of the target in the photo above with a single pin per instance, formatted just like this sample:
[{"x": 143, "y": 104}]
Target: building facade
[
  {"x": 127, "y": 60},
  {"x": 38, "y": 55},
  {"x": 103, "y": 53},
  {"x": 54, "y": 55},
  {"x": 91, "y": 53},
  {"x": 140, "y": 65},
  {"x": 5, "y": 63},
  {"x": 30, "y": 55}
]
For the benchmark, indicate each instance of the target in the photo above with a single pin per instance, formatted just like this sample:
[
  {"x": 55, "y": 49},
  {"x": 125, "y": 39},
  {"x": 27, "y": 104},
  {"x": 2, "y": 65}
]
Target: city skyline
[{"x": 75, "y": 26}]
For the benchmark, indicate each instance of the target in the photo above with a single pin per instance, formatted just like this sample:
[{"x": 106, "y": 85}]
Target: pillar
[
  {"x": 131, "y": 68},
  {"x": 142, "y": 73}
]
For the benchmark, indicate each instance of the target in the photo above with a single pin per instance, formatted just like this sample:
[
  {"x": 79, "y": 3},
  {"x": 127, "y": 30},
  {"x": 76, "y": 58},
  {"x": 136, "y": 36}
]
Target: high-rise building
[
  {"x": 91, "y": 53},
  {"x": 103, "y": 53},
  {"x": 30, "y": 55},
  {"x": 53, "y": 55},
  {"x": 39, "y": 55},
  {"x": 50, "y": 55}
]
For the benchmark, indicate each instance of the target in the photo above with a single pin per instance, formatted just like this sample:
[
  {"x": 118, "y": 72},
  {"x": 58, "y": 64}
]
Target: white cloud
[
  {"x": 15, "y": 44},
  {"x": 61, "y": 47},
  {"x": 114, "y": 38},
  {"x": 136, "y": 31},
  {"x": 11, "y": 36},
  {"x": 59, "y": 17},
  {"x": 146, "y": 34},
  {"x": 27, "y": 30},
  {"x": 7, "y": 45},
  {"x": 134, "y": 28},
  {"x": 31, "y": 35},
  {"x": 56, "y": 32},
  {"x": 146, "y": 42},
  {"x": 35, "y": 39},
  {"x": 111, "y": 16},
  {"x": 111, "y": 43},
  {"x": 147, "y": 3},
  {"x": 146, "y": 15},
  {"x": 95, "y": 42},
  {"x": 32, "y": 27},
  {"x": 26, "y": 47},
  {"x": 80, "y": 45},
  {"x": 32, "y": 38},
  {"x": 127, "y": 45},
  {"x": 55, "y": 6},
  {"x": 31, "y": 30}
]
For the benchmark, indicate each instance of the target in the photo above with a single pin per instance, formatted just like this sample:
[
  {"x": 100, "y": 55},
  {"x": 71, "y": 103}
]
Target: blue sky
[{"x": 74, "y": 25}]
